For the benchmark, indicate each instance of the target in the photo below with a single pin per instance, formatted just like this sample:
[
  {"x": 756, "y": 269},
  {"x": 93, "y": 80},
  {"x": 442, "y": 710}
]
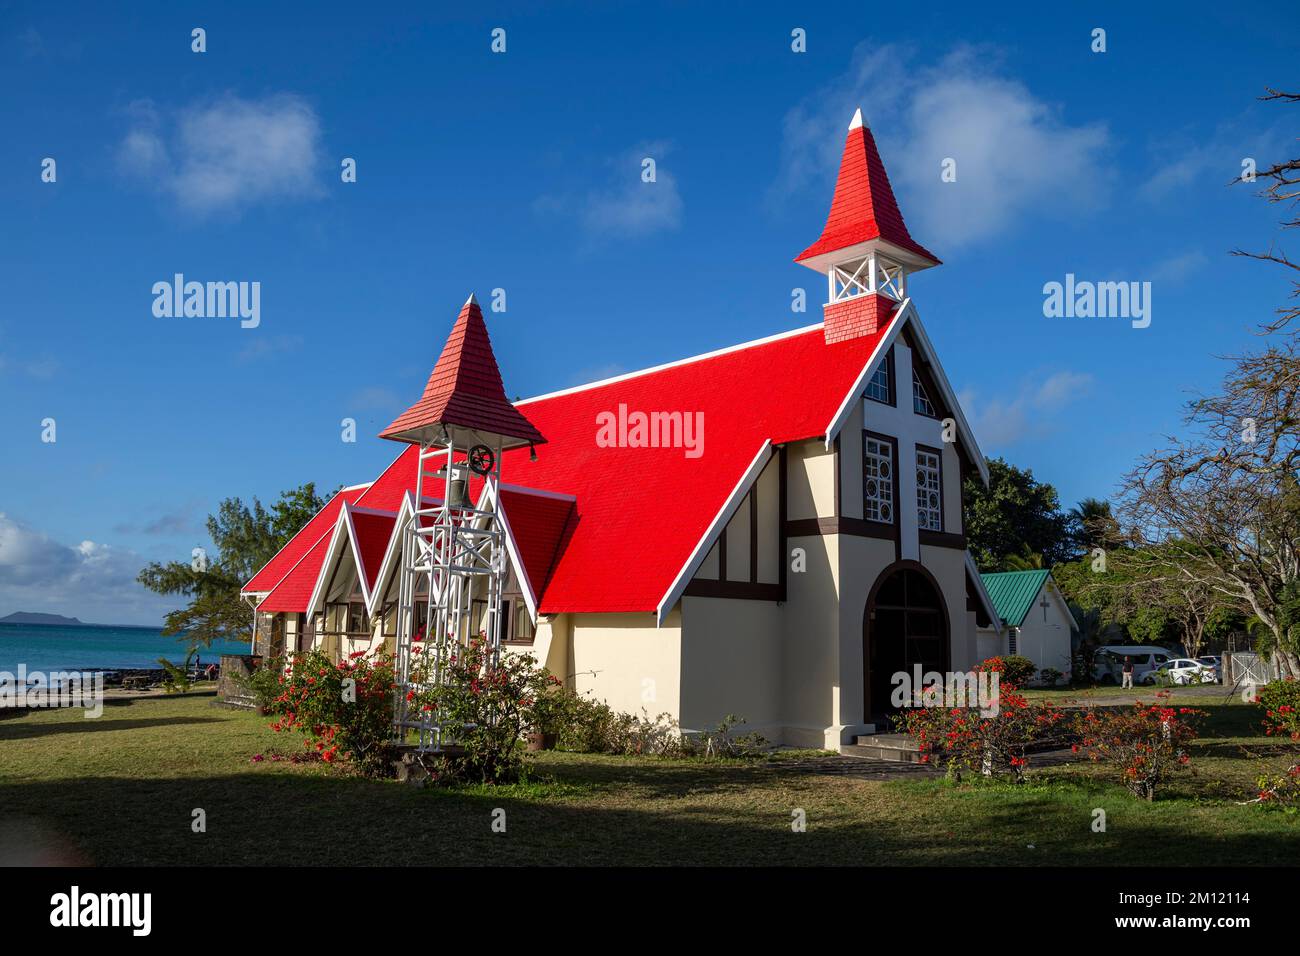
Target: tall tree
[
  {"x": 1015, "y": 520},
  {"x": 245, "y": 538},
  {"x": 1229, "y": 492}
]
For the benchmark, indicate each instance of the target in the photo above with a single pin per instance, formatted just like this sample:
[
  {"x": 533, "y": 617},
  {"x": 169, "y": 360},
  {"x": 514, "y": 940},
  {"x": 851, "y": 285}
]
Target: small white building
[{"x": 1036, "y": 621}]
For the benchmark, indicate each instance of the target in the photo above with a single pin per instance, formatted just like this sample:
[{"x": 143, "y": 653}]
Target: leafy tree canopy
[
  {"x": 245, "y": 537},
  {"x": 1016, "y": 521}
]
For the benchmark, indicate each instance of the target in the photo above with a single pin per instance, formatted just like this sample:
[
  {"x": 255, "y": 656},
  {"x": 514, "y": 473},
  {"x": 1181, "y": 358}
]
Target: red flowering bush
[
  {"x": 486, "y": 706},
  {"x": 344, "y": 708},
  {"x": 1146, "y": 744},
  {"x": 1283, "y": 791},
  {"x": 994, "y": 745},
  {"x": 1013, "y": 670},
  {"x": 1281, "y": 703}
]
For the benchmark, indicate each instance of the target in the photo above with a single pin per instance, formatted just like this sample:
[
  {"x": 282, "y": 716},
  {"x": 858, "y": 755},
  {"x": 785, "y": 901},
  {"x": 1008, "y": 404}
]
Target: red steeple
[
  {"x": 465, "y": 391},
  {"x": 864, "y": 208}
]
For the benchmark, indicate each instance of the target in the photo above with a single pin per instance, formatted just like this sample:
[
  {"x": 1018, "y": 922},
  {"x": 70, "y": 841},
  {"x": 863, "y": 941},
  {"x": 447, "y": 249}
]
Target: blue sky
[{"x": 521, "y": 171}]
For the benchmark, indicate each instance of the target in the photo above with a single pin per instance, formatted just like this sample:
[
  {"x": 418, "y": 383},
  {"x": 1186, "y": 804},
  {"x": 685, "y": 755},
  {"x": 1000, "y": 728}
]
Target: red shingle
[
  {"x": 465, "y": 388},
  {"x": 864, "y": 206}
]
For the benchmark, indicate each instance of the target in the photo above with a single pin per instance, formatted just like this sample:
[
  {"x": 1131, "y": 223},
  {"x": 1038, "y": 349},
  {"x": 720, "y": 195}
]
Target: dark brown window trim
[
  {"x": 942, "y": 539},
  {"x": 857, "y": 527},
  {"x": 744, "y": 590},
  {"x": 783, "y": 555}
]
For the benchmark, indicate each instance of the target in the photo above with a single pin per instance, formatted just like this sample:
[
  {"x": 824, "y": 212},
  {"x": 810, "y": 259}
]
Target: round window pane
[
  {"x": 934, "y": 500},
  {"x": 871, "y": 488},
  {"x": 885, "y": 513}
]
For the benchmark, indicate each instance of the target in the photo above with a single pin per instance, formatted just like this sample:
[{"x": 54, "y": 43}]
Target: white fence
[{"x": 1247, "y": 668}]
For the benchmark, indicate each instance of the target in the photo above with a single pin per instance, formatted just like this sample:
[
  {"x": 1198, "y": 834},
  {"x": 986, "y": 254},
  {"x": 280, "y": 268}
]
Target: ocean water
[{"x": 45, "y": 647}]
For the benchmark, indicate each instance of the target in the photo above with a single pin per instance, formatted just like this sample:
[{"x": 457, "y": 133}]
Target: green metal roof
[{"x": 1013, "y": 592}]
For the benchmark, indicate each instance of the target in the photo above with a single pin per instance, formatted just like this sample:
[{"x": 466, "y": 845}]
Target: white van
[{"x": 1108, "y": 663}]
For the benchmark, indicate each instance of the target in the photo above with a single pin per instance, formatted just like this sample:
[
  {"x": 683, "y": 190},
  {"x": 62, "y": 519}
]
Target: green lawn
[{"x": 121, "y": 789}]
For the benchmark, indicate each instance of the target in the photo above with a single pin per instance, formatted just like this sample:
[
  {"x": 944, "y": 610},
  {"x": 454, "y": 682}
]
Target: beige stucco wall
[
  {"x": 862, "y": 561},
  {"x": 810, "y": 487},
  {"x": 624, "y": 660},
  {"x": 731, "y": 663},
  {"x": 810, "y": 689}
]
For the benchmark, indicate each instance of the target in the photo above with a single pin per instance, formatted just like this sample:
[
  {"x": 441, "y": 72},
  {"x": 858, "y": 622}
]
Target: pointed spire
[
  {"x": 465, "y": 390},
  {"x": 864, "y": 209}
]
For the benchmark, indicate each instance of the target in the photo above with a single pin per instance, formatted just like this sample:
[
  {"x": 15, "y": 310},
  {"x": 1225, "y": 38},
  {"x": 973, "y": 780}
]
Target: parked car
[
  {"x": 1181, "y": 670},
  {"x": 1109, "y": 661},
  {"x": 1215, "y": 661}
]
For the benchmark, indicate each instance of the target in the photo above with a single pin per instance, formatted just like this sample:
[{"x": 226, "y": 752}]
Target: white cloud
[
  {"x": 1199, "y": 160},
  {"x": 267, "y": 346},
  {"x": 1007, "y": 420},
  {"x": 91, "y": 581},
  {"x": 226, "y": 154},
  {"x": 624, "y": 206},
  {"x": 1016, "y": 156},
  {"x": 1175, "y": 269}
]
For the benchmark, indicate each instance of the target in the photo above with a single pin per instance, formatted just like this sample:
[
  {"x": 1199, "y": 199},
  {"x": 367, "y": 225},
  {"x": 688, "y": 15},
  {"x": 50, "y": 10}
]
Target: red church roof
[
  {"x": 465, "y": 389},
  {"x": 864, "y": 207},
  {"x": 540, "y": 525},
  {"x": 373, "y": 533},
  {"x": 313, "y": 531},
  {"x": 294, "y": 590},
  {"x": 641, "y": 512}
]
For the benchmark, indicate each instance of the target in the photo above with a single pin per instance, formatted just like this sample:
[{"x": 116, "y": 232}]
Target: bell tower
[
  {"x": 453, "y": 549},
  {"x": 865, "y": 249}
]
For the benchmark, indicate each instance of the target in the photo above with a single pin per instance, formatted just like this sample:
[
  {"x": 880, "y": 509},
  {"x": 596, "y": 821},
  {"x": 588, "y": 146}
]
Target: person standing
[{"x": 1128, "y": 672}]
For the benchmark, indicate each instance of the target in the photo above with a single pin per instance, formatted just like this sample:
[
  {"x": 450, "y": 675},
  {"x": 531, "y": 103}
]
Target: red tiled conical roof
[
  {"x": 465, "y": 389},
  {"x": 864, "y": 207}
]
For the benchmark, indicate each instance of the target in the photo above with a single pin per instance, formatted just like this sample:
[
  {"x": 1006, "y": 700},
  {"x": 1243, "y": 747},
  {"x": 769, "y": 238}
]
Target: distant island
[{"x": 29, "y": 617}]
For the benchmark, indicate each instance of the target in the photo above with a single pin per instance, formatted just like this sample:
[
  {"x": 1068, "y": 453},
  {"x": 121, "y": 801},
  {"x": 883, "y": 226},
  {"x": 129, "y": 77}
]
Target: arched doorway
[{"x": 905, "y": 624}]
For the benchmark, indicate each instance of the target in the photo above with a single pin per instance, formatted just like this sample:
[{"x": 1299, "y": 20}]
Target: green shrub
[
  {"x": 485, "y": 704},
  {"x": 1013, "y": 670},
  {"x": 264, "y": 683},
  {"x": 344, "y": 708}
]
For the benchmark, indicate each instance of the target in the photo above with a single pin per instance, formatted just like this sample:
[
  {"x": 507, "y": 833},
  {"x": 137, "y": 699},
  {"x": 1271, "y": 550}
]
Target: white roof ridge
[{"x": 673, "y": 364}]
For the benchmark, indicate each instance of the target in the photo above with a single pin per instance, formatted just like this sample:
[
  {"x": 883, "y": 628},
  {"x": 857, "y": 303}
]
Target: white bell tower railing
[
  {"x": 453, "y": 555},
  {"x": 865, "y": 276}
]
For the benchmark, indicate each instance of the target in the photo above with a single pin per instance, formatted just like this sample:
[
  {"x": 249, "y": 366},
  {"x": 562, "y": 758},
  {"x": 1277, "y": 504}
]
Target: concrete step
[{"x": 898, "y": 748}]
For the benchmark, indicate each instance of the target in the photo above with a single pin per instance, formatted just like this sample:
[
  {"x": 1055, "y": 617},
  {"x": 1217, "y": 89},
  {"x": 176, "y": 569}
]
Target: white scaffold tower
[{"x": 454, "y": 559}]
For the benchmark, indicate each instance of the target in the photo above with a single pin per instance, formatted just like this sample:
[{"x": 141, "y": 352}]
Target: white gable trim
[
  {"x": 860, "y": 384},
  {"x": 719, "y": 522},
  {"x": 392, "y": 553},
  {"x": 907, "y": 313},
  {"x": 982, "y": 593},
  {"x": 512, "y": 549},
  {"x": 950, "y": 397},
  {"x": 332, "y": 555},
  {"x": 659, "y": 368},
  {"x": 244, "y": 593},
  {"x": 345, "y": 532}
]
